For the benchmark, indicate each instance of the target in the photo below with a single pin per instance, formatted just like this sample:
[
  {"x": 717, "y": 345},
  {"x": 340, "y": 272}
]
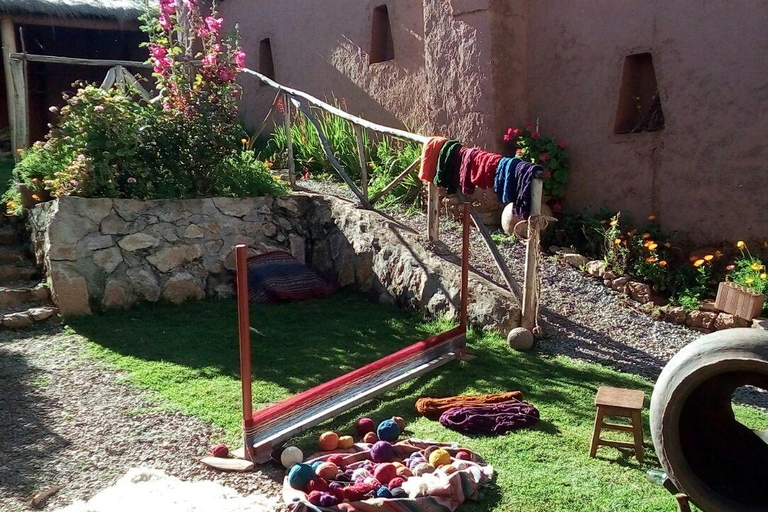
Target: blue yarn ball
[
  {"x": 316, "y": 464},
  {"x": 383, "y": 492},
  {"x": 300, "y": 475},
  {"x": 388, "y": 430}
]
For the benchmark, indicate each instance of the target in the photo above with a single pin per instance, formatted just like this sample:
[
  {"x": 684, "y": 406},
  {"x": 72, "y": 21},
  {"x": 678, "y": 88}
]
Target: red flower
[
  {"x": 528, "y": 126},
  {"x": 557, "y": 207},
  {"x": 507, "y": 137},
  {"x": 516, "y": 132},
  {"x": 561, "y": 145},
  {"x": 519, "y": 151},
  {"x": 547, "y": 173},
  {"x": 535, "y": 135},
  {"x": 544, "y": 158}
]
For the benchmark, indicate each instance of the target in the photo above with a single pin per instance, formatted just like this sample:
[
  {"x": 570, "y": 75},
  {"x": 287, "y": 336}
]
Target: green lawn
[{"x": 189, "y": 356}]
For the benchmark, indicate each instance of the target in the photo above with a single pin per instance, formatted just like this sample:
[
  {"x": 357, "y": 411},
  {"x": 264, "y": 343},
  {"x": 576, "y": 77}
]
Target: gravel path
[{"x": 66, "y": 421}]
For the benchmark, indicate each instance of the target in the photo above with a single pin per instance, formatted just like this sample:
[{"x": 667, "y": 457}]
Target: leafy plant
[
  {"x": 530, "y": 145},
  {"x": 749, "y": 271},
  {"x": 392, "y": 158}
]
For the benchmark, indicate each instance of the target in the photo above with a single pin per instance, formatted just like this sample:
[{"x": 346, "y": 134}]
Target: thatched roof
[{"x": 127, "y": 10}]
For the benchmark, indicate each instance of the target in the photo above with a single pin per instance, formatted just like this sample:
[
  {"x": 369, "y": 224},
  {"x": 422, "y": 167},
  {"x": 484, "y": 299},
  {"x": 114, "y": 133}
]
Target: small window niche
[
  {"x": 639, "y": 108},
  {"x": 266, "y": 62},
  {"x": 382, "y": 44}
]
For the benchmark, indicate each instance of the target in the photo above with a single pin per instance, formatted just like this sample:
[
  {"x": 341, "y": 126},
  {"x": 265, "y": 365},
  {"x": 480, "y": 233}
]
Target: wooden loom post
[
  {"x": 530, "y": 295},
  {"x": 465, "y": 268},
  {"x": 361, "y": 158},
  {"x": 244, "y": 335},
  {"x": 289, "y": 139},
  {"x": 433, "y": 213}
]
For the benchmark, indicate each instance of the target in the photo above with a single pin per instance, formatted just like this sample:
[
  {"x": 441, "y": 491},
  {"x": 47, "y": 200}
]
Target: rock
[
  {"x": 702, "y": 320},
  {"x": 609, "y": 275},
  {"x": 115, "y": 295},
  {"x": 709, "y": 306},
  {"x": 387, "y": 299},
  {"x": 620, "y": 284},
  {"x": 760, "y": 323},
  {"x": 70, "y": 292},
  {"x": 520, "y": 339},
  {"x": 144, "y": 283},
  {"x": 675, "y": 314},
  {"x": 17, "y": 320},
  {"x": 172, "y": 257},
  {"x": 724, "y": 321},
  {"x": 298, "y": 247},
  {"x": 269, "y": 229},
  {"x": 97, "y": 241},
  {"x": 42, "y": 313},
  {"x": 41, "y": 293},
  {"x": 138, "y": 241},
  {"x": 115, "y": 225},
  {"x": 194, "y": 231},
  {"x": 596, "y": 268},
  {"x": 640, "y": 292},
  {"x": 108, "y": 259},
  {"x": 233, "y": 207},
  {"x": 575, "y": 260},
  {"x": 182, "y": 287}
]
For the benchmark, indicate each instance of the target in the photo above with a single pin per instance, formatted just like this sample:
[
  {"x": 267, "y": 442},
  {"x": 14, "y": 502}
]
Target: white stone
[
  {"x": 182, "y": 287},
  {"x": 144, "y": 283},
  {"x": 43, "y": 313},
  {"x": 171, "y": 257},
  {"x": 138, "y": 241},
  {"x": 70, "y": 291},
  {"x": 194, "y": 231},
  {"x": 575, "y": 260},
  {"x": 596, "y": 268},
  {"x": 17, "y": 320},
  {"x": 108, "y": 259},
  {"x": 520, "y": 339}
]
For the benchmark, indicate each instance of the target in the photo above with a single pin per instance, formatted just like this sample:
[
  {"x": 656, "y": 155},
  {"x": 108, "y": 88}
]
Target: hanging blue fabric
[
  {"x": 512, "y": 184},
  {"x": 505, "y": 183}
]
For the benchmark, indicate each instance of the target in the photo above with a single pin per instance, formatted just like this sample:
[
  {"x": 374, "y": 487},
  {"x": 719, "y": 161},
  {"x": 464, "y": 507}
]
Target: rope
[{"x": 536, "y": 224}]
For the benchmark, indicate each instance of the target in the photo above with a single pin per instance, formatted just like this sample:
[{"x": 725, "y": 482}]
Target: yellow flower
[
  {"x": 613, "y": 223},
  {"x": 740, "y": 244},
  {"x": 662, "y": 263},
  {"x": 709, "y": 257},
  {"x": 757, "y": 266},
  {"x": 698, "y": 263},
  {"x": 36, "y": 197},
  {"x": 243, "y": 141},
  {"x": 763, "y": 276},
  {"x": 650, "y": 259},
  {"x": 269, "y": 164},
  {"x": 617, "y": 241},
  {"x": 653, "y": 246},
  {"x": 749, "y": 280}
]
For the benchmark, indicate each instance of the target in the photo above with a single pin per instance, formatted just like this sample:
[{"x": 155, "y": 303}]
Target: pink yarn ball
[
  {"x": 395, "y": 483},
  {"x": 220, "y": 450},
  {"x": 384, "y": 473},
  {"x": 365, "y": 425},
  {"x": 314, "y": 497},
  {"x": 463, "y": 455}
]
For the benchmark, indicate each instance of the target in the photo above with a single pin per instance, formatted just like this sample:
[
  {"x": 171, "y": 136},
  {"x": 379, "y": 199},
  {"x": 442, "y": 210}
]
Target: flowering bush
[
  {"x": 530, "y": 145},
  {"x": 749, "y": 271}
]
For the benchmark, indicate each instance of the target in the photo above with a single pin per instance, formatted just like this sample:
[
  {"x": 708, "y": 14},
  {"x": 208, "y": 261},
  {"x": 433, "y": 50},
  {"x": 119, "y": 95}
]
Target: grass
[{"x": 188, "y": 356}]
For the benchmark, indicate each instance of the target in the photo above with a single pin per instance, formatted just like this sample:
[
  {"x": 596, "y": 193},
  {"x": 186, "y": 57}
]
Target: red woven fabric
[{"x": 484, "y": 169}]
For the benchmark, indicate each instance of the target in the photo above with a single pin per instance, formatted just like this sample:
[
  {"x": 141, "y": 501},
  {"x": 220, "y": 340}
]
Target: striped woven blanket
[{"x": 277, "y": 276}]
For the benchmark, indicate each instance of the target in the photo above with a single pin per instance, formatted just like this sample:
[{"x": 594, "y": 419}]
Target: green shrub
[
  {"x": 392, "y": 158},
  {"x": 749, "y": 271}
]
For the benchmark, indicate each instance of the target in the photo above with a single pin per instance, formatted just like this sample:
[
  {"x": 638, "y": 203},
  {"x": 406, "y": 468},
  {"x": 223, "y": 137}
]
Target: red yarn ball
[
  {"x": 337, "y": 459},
  {"x": 463, "y": 455},
  {"x": 317, "y": 484},
  {"x": 220, "y": 450},
  {"x": 314, "y": 497},
  {"x": 356, "y": 492},
  {"x": 395, "y": 483},
  {"x": 365, "y": 425},
  {"x": 384, "y": 473}
]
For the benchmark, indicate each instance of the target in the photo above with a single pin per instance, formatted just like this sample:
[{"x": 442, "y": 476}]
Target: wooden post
[
  {"x": 465, "y": 267},
  {"x": 530, "y": 295},
  {"x": 19, "y": 105},
  {"x": 289, "y": 139},
  {"x": 361, "y": 158},
  {"x": 244, "y": 334},
  {"x": 433, "y": 213},
  {"x": 9, "y": 46}
]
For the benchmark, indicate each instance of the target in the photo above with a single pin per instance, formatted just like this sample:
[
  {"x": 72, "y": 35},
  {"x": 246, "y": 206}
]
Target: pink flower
[
  {"x": 210, "y": 60},
  {"x": 507, "y": 137},
  {"x": 561, "y": 145},
  {"x": 214, "y": 24},
  {"x": 239, "y": 58},
  {"x": 74, "y": 182},
  {"x": 131, "y": 180},
  {"x": 98, "y": 108},
  {"x": 528, "y": 126},
  {"x": 227, "y": 75},
  {"x": 544, "y": 158},
  {"x": 165, "y": 22},
  {"x": 535, "y": 135},
  {"x": 547, "y": 173},
  {"x": 557, "y": 207},
  {"x": 519, "y": 152},
  {"x": 158, "y": 52},
  {"x": 516, "y": 132}
]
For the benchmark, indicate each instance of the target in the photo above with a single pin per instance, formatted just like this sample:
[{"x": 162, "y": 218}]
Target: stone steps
[
  {"x": 13, "y": 255},
  {"x": 17, "y": 272},
  {"x": 27, "y": 317},
  {"x": 9, "y": 235}
]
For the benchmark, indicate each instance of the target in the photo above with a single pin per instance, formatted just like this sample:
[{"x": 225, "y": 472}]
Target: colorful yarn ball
[
  {"x": 404, "y": 472},
  {"x": 365, "y": 425},
  {"x": 361, "y": 473},
  {"x": 400, "y": 422},
  {"x": 300, "y": 475},
  {"x": 440, "y": 458},
  {"x": 356, "y": 492},
  {"x": 388, "y": 431},
  {"x": 314, "y": 497},
  {"x": 220, "y": 450},
  {"x": 396, "y": 482},
  {"x": 399, "y": 493},
  {"x": 337, "y": 459},
  {"x": 290, "y": 456},
  {"x": 382, "y": 451},
  {"x": 346, "y": 442},
  {"x": 317, "y": 484},
  {"x": 370, "y": 438},
  {"x": 328, "y": 441},
  {"x": 385, "y": 472},
  {"x": 316, "y": 464},
  {"x": 327, "y": 470},
  {"x": 423, "y": 468},
  {"x": 336, "y": 489},
  {"x": 328, "y": 500},
  {"x": 383, "y": 492},
  {"x": 464, "y": 455}
]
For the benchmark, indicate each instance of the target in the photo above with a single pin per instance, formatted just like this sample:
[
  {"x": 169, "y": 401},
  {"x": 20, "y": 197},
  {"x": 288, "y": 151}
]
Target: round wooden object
[
  {"x": 706, "y": 452},
  {"x": 520, "y": 339}
]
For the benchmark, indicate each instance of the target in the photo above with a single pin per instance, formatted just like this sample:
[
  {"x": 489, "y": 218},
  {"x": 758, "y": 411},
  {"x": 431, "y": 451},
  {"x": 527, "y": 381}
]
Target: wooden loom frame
[{"x": 268, "y": 428}]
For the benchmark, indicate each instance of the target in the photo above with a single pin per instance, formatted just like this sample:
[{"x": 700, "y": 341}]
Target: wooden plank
[
  {"x": 244, "y": 334},
  {"x": 289, "y": 139},
  {"x": 400, "y": 177},
  {"x": 76, "y": 61},
  {"x": 20, "y": 105},
  {"x": 87, "y": 23},
  {"x": 337, "y": 111},
  {"x": 530, "y": 294},
  {"x": 109, "y": 79},
  {"x": 498, "y": 259},
  {"x": 8, "y": 38},
  {"x": 361, "y": 159},
  {"x": 433, "y": 213},
  {"x": 330, "y": 156}
]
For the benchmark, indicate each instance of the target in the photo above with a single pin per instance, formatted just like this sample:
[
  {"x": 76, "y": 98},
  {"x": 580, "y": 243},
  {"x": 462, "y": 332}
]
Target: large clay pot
[{"x": 719, "y": 463}]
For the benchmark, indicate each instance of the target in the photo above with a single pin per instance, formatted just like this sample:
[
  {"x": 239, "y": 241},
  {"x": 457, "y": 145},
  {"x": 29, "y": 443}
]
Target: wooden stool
[{"x": 619, "y": 402}]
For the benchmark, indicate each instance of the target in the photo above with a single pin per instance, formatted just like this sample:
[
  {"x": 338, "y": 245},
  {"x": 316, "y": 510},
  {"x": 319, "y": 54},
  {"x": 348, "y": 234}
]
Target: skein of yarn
[
  {"x": 388, "y": 430},
  {"x": 290, "y": 456}
]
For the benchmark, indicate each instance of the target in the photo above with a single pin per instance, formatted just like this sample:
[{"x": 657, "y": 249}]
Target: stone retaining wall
[{"x": 111, "y": 253}]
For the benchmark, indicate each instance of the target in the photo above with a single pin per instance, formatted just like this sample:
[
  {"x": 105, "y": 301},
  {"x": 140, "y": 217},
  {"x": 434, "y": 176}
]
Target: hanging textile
[
  {"x": 484, "y": 169},
  {"x": 448, "y": 166},
  {"x": 429, "y": 156},
  {"x": 466, "y": 168}
]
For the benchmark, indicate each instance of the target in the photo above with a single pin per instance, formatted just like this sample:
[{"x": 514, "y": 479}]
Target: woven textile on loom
[
  {"x": 278, "y": 276},
  {"x": 434, "y": 407}
]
